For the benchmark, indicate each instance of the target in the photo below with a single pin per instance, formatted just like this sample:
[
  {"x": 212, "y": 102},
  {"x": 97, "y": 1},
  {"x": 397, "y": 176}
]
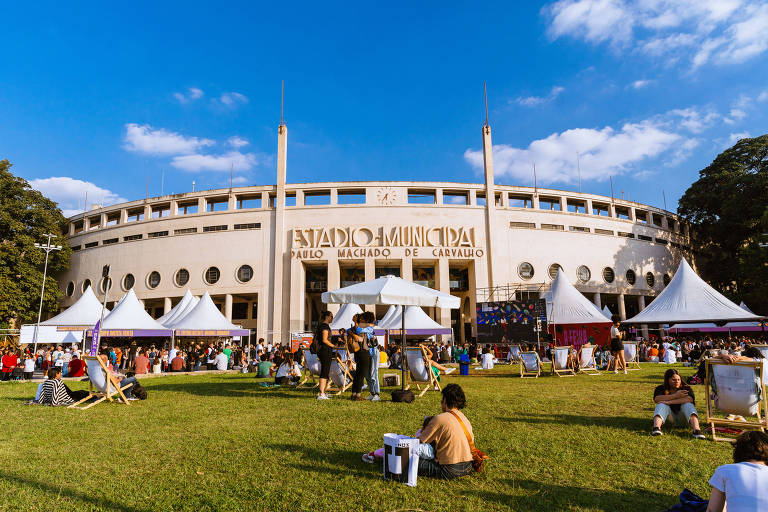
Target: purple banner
[{"x": 95, "y": 339}]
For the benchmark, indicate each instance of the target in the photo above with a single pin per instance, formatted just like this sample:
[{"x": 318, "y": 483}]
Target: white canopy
[
  {"x": 569, "y": 306},
  {"x": 415, "y": 319},
  {"x": 85, "y": 312},
  {"x": 49, "y": 334},
  {"x": 204, "y": 320},
  {"x": 687, "y": 299},
  {"x": 746, "y": 308},
  {"x": 607, "y": 312},
  {"x": 391, "y": 290},
  {"x": 343, "y": 319},
  {"x": 185, "y": 305},
  {"x": 388, "y": 315},
  {"x": 129, "y": 315}
]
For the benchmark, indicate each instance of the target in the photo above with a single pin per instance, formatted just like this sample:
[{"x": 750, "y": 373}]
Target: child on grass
[{"x": 426, "y": 450}]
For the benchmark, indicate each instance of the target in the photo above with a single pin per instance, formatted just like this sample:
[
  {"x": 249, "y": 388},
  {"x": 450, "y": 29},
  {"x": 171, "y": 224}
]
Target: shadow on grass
[
  {"x": 341, "y": 461},
  {"x": 538, "y": 495},
  {"x": 631, "y": 424},
  {"x": 229, "y": 389},
  {"x": 57, "y": 491}
]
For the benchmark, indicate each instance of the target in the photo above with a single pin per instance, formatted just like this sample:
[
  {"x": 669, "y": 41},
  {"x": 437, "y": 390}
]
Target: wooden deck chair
[
  {"x": 339, "y": 374},
  {"x": 311, "y": 368},
  {"x": 514, "y": 353},
  {"x": 736, "y": 388},
  {"x": 420, "y": 369},
  {"x": 631, "y": 356},
  {"x": 560, "y": 365},
  {"x": 587, "y": 363},
  {"x": 102, "y": 385},
  {"x": 764, "y": 350},
  {"x": 530, "y": 365}
]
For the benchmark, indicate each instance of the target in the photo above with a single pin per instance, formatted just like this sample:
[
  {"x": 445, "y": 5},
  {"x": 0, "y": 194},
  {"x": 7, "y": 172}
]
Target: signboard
[
  {"x": 300, "y": 340},
  {"x": 580, "y": 334},
  {"x": 95, "y": 340},
  {"x": 515, "y": 320}
]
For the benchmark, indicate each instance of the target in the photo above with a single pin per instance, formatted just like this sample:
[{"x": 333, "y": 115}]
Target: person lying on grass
[
  {"x": 426, "y": 450},
  {"x": 675, "y": 402},
  {"x": 742, "y": 486}
]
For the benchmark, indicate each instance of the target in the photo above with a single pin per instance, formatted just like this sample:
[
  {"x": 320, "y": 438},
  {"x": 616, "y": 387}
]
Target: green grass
[{"x": 220, "y": 442}]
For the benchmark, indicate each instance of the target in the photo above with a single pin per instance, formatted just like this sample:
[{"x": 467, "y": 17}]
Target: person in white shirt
[
  {"x": 29, "y": 367},
  {"x": 172, "y": 354},
  {"x": 57, "y": 355},
  {"x": 289, "y": 371},
  {"x": 221, "y": 360},
  {"x": 741, "y": 486}
]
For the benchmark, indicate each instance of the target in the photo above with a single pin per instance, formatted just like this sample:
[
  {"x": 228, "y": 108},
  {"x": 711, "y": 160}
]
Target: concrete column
[
  {"x": 231, "y": 202},
  {"x": 166, "y": 305},
  {"x": 588, "y": 206},
  {"x": 598, "y": 301},
  {"x": 201, "y": 205},
  {"x": 228, "y": 306},
  {"x": 334, "y": 196},
  {"x": 622, "y": 307},
  {"x": 563, "y": 204},
  {"x": 472, "y": 276},
  {"x": 147, "y": 212},
  {"x": 444, "y": 286},
  {"x": 370, "y": 275},
  {"x": 439, "y": 196},
  {"x": 473, "y": 198},
  {"x": 278, "y": 234},
  {"x": 406, "y": 269},
  {"x": 490, "y": 202},
  {"x": 334, "y": 281},
  {"x": 535, "y": 201},
  {"x": 298, "y": 296},
  {"x": 299, "y": 198},
  {"x": 123, "y": 216},
  {"x": 103, "y": 220},
  {"x": 174, "y": 208},
  {"x": 640, "y": 307}
]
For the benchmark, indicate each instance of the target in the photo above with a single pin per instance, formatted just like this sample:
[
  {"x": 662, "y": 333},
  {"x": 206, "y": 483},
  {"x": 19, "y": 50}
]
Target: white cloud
[
  {"x": 533, "y": 101},
  {"x": 602, "y": 152},
  {"x": 736, "y": 137},
  {"x": 237, "y": 142},
  {"x": 233, "y": 99},
  {"x": 694, "y": 119},
  {"x": 641, "y": 84},
  {"x": 192, "y": 94},
  {"x": 763, "y": 96},
  {"x": 702, "y": 31},
  {"x": 224, "y": 162},
  {"x": 240, "y": 180},
  {"x": 70, "y": 193},
  {"x": 152, "y": 141}
]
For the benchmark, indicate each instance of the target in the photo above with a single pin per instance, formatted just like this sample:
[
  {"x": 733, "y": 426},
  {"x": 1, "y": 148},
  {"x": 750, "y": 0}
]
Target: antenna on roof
[
  {"x": 85, "y": 203},
  {"x": 665, "y": 198},
  {"x": 611, "y": 178},
  {"x": 485, "y": 94},
  {"x": 282, "y": 96},
  {"x": 535, "y": 185}
]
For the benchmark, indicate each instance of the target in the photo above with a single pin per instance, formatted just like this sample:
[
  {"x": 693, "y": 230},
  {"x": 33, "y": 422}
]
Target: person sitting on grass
[
  {"x": 741, "y": 486},
  {"x": 426, "y": 450},
  {"x": 675, "y": 400},
  {"x": 264, "y": 367},
  {"x": 453, "y": 457},
  {"x": 54, "y": 392},
  {"x": 289, "y": 371}
]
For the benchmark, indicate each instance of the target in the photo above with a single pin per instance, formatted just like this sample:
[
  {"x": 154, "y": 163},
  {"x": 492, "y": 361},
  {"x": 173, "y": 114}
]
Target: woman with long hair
[
  {"x": 357, "y": 342},
  {"x": 617, "y": 347},
  {"x": 675, "y": 402},
  {"x": 324, "y": 351}
]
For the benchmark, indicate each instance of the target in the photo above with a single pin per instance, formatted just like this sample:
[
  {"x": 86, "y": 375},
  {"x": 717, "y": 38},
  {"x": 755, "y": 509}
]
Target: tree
[
  {"x": 25, "y": 216},
  {"x": 728, "y": 207}
]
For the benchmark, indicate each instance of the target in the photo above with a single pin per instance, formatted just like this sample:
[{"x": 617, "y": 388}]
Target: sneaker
[
  {"x": 132, "y": 398},
  {"x": 698, "y": 435},
  {"x": 370, "y": 397},
  {"x": 449, "y": 370},
  {"x": 656, "y": 431},
  {"x": 616, "y": 372},
  {"x": 376, "y": 398},
  {"x": 323, "y": 396},
  {"x": 625, "y": 371},
  {"x": 369, "y": 458}
]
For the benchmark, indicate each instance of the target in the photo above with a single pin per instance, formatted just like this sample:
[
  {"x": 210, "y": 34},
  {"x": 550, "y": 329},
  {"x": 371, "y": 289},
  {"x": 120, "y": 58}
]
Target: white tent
[
  {"x": 129, "y": 319},
  {"x": 343, "y": 319},
  {"x": 205, "y": 319},
  {"x": 85, "y": 312},
  {"x": 607, "y": 312},
  {"x": 416, "y": 322},
  {"x": 688, "y": 299},
  {"x": 569, "y": 306},
  {"x": 746, "y": 308},
  {"x": 391, "y": 311},
  {"x": 185, "y": 305}
]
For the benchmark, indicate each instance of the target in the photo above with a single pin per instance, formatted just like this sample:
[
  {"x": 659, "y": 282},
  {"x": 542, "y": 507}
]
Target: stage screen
[{"x": 514, "y": 319}]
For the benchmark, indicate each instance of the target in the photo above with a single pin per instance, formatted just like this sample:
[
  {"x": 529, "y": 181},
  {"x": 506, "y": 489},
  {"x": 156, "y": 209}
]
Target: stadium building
[{"x": 266, "y": 253}]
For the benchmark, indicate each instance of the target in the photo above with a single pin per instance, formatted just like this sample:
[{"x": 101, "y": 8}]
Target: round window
[
  {"x": 583, "y": 273},
  {"x": 86, "y": 284},
  {"x": 212, "y": 275},
  {"x": 553, "y": 268},
  {"x": 128, "y": 282},
  {"x": 608, "y": 275},
  {"x": 525, "y": 270},
  {"x": 631, "y": 276},
  {"x": 182, "y": 277},
  {"x": 650, "y": 279},
  {"x": 666, "y": 279},
  {"x": 106, "y": 284},
  {"x": 153, "y": 280},
  {"x": 244, "y": 273},
  {"x": 70, "y": 289}
]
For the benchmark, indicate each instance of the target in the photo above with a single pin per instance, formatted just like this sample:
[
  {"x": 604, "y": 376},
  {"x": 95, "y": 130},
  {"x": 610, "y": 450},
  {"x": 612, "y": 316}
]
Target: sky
[{"x": 117, "y": 99}]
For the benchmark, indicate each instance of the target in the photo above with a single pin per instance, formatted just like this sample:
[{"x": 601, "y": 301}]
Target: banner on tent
[
  {"x": 581, "y": 334},
  {"x": 514, "y": 319}
]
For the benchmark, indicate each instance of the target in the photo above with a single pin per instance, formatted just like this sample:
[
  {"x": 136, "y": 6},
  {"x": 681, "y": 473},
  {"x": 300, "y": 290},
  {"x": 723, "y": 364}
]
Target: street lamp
[{"x": 47, "y": 248}]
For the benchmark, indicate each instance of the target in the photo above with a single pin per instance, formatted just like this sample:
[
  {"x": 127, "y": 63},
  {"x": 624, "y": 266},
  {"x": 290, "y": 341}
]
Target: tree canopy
[
  {"x": 25, "y": 216},
  {"x": 728, "y": 207}
]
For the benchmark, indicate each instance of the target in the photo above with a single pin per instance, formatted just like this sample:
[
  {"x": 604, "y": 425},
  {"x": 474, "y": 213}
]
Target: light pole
[{"x": 47, "y": 248}]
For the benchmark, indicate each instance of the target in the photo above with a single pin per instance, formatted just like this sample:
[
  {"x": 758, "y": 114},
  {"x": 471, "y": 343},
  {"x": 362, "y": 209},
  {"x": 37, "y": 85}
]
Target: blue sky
[{"x": 99, "y": 97}]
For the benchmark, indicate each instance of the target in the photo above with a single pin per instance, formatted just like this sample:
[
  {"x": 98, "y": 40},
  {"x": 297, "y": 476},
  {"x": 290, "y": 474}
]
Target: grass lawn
[{"x": 221, "y": 442}]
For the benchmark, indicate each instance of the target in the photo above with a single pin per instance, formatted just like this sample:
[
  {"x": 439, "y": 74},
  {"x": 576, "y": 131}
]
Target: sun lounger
[
  {"x": 420, "y": 369},
  {"x": 587, "y": 363},
  {"x": 530, "y": 365},
  {"x": 560, "y": 364},
  {"x": 737, "y": 389},
  {"x": 102, "y": 385}
]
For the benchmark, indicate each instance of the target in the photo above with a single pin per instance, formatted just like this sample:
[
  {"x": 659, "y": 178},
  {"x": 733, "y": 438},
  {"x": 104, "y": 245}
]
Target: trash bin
[{"x": 464, "y": 364}]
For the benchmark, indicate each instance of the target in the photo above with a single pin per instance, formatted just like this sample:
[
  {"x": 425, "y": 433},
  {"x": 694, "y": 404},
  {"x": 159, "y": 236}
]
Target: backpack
[{"x": 403, "y": 395}]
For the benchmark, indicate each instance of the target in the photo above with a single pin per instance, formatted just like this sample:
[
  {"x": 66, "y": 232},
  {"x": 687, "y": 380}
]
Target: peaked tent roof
[
  {"x": 391, "y": 290},
  {"x": 416, "y": 322},
  {"x": 86, "y": 311},
  {"x": 343, "y": 319},
  {"x": 746, "y": 308},
  {"x": 205, "y": 319},
  {"x": 391, "y": 311},
  {"x": 129, "y": 315},
  {"x": 688, "y": 299},
  {"x": 569, "y": 306},
  {"x": 607, "y": 312},
  {"x": 179, "y": 310}
]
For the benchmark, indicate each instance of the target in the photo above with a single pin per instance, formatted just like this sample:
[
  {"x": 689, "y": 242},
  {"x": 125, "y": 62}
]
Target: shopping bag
[{"x": 401, "y": 458}]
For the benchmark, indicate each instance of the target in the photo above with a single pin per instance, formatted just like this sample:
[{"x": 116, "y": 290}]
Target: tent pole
[{"x": 403, "y": 359}]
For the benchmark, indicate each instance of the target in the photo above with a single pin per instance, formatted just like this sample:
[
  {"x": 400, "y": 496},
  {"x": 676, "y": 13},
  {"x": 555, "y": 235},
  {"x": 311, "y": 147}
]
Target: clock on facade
[{"x": 386, "y": 196}]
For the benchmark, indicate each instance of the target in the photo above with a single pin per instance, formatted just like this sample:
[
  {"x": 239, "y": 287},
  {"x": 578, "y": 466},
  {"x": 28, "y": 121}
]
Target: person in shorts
[{"x": 617, "y": 347}]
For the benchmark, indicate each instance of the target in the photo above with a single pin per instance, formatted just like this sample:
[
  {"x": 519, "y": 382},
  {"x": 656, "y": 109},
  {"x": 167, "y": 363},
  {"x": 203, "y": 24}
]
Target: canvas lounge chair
[
  {"x": 421, "y": 370},
  {"x": 102, "y": 385},
  {"x": 339, "y": 374},
  {"x": 514, "y": 353},
  {"x": 530, "y": 365},
  {"x": 735, "y": 388},
  {"x": 631, "y": 356},
  {"x": 311, "y": 368},
  {"x": 560, "y": 365},
  {"x": 764, "y": 350},
  {"x": 587, "y": 363}
]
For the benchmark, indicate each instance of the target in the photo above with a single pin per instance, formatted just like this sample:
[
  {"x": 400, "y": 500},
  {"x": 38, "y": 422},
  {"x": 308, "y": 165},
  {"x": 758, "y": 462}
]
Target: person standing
[
  {"x": 617, "y": 347},
  {"x": 322, "y": 340},
  {"x": 356, "y": 338}
]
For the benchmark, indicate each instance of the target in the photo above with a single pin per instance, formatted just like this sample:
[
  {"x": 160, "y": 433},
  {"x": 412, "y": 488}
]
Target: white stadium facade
[{"x": 266, "y": 253}]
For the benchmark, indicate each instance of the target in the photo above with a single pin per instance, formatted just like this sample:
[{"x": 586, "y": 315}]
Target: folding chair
[
  {"x": 102, "y": 385},
  {"x": 530, "y": 365},
  {"x": 764, "y": 350},
  {"x": 514, "y": 353},
  {"x": 420, "y": 369},
  {"x": 560, "y": 361},
  {"x": 736, "y": 388},
  {"x": 587, "y": 363},
  {"x": 339, "y": 374},
  {"x": 630, "y": 355},
  {"x": 311, "y": 368}
]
